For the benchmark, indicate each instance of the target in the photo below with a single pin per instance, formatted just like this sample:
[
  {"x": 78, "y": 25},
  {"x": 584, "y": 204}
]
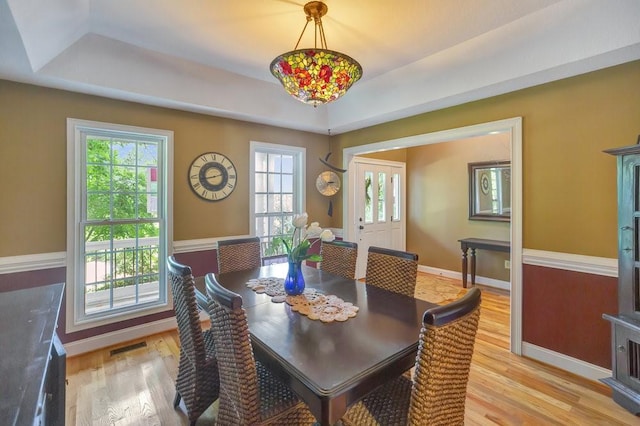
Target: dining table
[{"x": 329, "y": 365}]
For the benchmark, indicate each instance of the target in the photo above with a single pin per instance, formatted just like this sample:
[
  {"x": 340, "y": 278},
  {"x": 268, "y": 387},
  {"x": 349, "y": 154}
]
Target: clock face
[
  {"x": 212, "y": 176},
  {"x": 484, "y": 183},
  {"x": 328, "y": 183}
]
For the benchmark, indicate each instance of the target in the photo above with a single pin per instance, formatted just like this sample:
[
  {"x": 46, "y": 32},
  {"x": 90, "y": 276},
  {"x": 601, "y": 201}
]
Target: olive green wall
[
  {"x": 438, "y": 204},
  {"x": 569, "y": 185},
  {"x": 33, "y": 146}
]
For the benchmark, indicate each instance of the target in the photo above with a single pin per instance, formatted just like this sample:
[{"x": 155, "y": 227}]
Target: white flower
[
  {"x": 314, "y": 230},
  {"x": 327, "y": 235},
  {"x": 300, "y": 220},
  {"x": 298, "y": 245}
]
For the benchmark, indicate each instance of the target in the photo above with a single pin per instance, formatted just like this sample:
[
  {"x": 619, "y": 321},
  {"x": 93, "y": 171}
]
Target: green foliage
[
  {"x": 299, "y": 252},
  {"x": 116, "y": 179},
  {"x": 274, "y": 247},
  {"x": 367, "y": 189},
  {"x": 116, "y": 191}
]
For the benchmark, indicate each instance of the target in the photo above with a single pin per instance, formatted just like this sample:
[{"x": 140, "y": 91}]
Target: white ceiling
[{"x": 213, "y": 56}]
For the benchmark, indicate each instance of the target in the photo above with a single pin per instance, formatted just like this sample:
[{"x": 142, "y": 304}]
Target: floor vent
[{"x": 128, "y": 348}]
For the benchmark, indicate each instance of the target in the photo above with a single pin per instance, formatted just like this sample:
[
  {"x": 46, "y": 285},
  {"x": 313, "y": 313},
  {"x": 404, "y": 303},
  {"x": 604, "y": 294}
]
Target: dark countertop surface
[{"x": 28, "y": 321}]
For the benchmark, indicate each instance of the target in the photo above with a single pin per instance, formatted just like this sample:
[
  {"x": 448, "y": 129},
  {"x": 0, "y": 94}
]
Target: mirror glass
[{"x": 490, "y": 190}]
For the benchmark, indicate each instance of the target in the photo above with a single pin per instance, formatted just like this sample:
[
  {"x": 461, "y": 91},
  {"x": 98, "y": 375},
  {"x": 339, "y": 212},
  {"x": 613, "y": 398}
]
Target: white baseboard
[
  {"x": 119, "y": 336},
  {"x": 564, "y": 362},
  {"x": 489, "y": 282}
]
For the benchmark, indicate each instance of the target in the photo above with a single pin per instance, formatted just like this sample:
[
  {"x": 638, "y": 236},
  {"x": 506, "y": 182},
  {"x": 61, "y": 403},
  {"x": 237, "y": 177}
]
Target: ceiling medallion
[{"x": 315, "y": 75}]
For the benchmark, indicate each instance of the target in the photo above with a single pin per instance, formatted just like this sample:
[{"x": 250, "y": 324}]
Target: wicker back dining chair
[
  {"x": 239, "y": 254},
  {"x": 437, "y": 393},
  {"x": 249, "y": 393},
  {"x": 197, "y": 382},
  {"x": 392, "y": 270},
  {"x": 339, "y": 258}
]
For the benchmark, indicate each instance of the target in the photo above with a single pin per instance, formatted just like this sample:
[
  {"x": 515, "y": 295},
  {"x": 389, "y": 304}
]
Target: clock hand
[{"x": 214, "y": 176}]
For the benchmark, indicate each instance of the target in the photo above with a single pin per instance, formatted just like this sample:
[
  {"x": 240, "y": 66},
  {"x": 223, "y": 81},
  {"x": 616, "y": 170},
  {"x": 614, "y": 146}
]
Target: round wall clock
[
  {"x": 484, "y": 183},
  {"x": 328, "y": 183},
  {"x": 212, "y": 176}
]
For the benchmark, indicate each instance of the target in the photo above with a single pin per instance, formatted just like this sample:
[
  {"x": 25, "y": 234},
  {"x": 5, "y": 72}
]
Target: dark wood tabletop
[{"x": 330, "y": 365}]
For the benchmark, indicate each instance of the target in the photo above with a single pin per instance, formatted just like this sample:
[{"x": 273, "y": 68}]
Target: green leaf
[{"x": 284, "y": 242}]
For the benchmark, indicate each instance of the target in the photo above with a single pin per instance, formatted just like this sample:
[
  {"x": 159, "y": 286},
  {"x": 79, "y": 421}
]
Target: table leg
[
  {"x": 473, "y": 266},
  {"x": 464, "y": 265}
]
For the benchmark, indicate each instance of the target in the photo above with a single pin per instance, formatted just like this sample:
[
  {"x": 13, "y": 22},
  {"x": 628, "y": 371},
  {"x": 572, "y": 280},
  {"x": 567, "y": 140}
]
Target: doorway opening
[{"x": 512, "y": 127}]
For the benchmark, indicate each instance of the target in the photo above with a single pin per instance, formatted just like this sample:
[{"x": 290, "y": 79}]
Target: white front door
[{"x": 379, "y": 207}]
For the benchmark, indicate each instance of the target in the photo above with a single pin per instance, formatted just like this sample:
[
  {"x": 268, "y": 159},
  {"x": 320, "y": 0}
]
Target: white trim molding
[
  {"x": 203, "y": 244},
  {"x": 32, "y": 262},
  {"x": 188, "y": 246},
  {"x": 567, "y": 261},
  {"x": 571, "y": 262},
  {"x": 564, "y": 362}
]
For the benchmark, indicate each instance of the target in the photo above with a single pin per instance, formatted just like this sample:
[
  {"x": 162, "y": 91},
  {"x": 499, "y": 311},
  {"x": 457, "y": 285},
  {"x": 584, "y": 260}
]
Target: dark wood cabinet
[
  {"x": 32, "y": 372},
  {"x": 625, "y": 325}
]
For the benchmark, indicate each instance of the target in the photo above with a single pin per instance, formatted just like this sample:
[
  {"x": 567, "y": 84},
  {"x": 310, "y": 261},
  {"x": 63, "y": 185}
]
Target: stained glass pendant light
[{"x": 316, "y": 75}]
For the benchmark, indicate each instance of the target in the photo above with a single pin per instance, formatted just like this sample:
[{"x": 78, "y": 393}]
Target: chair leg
[{"x": 176, "y": 400}]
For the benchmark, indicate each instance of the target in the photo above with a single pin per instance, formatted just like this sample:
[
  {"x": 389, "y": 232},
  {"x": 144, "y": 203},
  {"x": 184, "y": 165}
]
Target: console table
[{"x": 478, "y": 243}]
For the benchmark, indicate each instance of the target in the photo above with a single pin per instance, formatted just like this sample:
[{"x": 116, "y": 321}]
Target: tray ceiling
[{"x": 213, "y": 56}]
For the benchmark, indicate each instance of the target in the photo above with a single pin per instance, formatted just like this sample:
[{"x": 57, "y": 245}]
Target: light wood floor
[{"x": 136, "y": 387}]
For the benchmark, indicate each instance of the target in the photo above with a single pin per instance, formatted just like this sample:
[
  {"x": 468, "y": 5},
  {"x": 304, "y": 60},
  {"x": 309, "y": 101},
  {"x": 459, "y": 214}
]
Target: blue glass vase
[{"x": 294, "y": 281}]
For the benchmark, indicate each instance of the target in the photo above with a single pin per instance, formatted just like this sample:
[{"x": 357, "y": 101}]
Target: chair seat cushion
[{"x": 387, "y": 405}]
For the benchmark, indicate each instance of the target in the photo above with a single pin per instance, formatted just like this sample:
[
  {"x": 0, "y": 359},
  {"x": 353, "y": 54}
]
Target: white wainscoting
[{"x": 577, "y": 263}]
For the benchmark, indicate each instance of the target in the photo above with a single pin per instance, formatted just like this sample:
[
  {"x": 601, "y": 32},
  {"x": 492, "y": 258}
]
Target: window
[
  {"x": 395, "y": 180},
  {"x": 382, "y": 197},
  {"x": 368, "y": 196},
  {"x": 276, "y": 193},
  {"x": 119, "y": 180}
]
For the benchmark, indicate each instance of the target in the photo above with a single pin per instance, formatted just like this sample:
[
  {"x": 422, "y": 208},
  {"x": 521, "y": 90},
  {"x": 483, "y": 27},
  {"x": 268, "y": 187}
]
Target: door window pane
[
  {"x": 396, "y": 197},
  {"x": 368, "y": 197},
  {"x": 382, "y": 191}
]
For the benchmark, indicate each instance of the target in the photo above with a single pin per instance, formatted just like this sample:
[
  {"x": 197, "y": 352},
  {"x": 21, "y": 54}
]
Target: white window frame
[
  {"x": 299, "y": 171},
  {"x": 75, "y": 318}
]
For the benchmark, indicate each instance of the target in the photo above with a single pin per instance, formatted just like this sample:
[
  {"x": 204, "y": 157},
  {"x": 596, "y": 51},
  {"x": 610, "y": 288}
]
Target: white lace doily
[
  {"x": 271, "y": 286},
  {"x": 312, "y": 303},
  {"x": 326, "y": 308}
]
